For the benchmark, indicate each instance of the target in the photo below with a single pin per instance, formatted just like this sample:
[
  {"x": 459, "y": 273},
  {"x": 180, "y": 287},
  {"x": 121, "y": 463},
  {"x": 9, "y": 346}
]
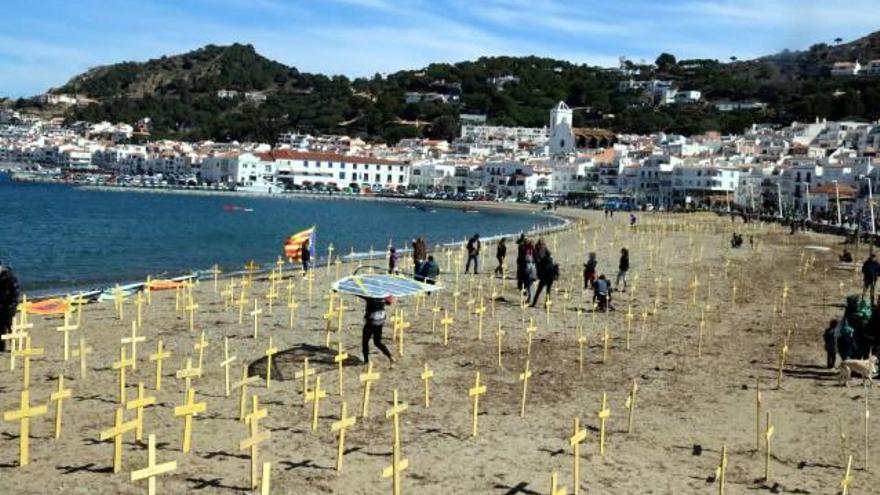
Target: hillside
[{"x": 179, "y": 94}]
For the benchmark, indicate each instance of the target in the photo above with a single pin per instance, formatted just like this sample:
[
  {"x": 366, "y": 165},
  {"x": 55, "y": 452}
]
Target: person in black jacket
[
  {"x": 500, "y": 254},
  {"x": 374, "y": 320},
  {"x": 473, "y": 251},
  {"x": 622, "y": 269},
  {"x": 548, "y": 272},
  {"x": 305, "y": 256},
  {"x": 870, "y": 270},
  {"x": 8, "y": 301}
]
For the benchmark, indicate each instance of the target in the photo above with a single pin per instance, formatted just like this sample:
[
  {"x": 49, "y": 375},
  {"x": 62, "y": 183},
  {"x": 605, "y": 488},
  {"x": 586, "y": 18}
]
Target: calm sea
[{"x": 57, "y": 237}]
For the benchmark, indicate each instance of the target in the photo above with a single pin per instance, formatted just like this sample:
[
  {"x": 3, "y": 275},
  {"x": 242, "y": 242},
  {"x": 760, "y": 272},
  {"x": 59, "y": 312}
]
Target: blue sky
[{"x": 45, "y": 42}]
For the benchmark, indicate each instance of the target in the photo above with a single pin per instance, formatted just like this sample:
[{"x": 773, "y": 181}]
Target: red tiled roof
[{"x": 329, "y": 157}]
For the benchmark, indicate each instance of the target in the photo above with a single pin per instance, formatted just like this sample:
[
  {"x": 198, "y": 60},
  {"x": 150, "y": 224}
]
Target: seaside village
[
  {"x": 815, "y": 169},
  {"x": 656, "y": 356}
]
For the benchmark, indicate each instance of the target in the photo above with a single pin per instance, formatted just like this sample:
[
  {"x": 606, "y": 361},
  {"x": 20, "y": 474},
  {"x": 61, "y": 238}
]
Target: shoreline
[{"x": 555, "y": 223}]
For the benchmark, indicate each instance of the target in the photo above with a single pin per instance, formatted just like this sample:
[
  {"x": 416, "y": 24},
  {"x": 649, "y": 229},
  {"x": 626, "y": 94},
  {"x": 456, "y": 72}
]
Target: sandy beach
[{"x": 694, "y": 395}]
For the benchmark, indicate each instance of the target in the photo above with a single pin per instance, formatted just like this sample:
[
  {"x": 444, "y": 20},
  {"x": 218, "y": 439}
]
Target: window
[
  {"x": 342, "y": 175},
  {"x": 306, "y": 164},
  {"x": 354, "y": 166},
  {"x": 389, "y": 177}
]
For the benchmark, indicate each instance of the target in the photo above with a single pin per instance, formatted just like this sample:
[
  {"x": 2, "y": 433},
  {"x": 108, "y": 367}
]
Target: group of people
[
  {"x": 425, "y": 267},
  {"x": 534, "y": 262},
  {"x": 600, "y": 285}
]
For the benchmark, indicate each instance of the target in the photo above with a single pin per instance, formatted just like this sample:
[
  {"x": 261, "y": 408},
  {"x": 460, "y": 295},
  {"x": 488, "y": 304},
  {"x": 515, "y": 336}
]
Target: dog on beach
[{"x": 866, "y": 368}]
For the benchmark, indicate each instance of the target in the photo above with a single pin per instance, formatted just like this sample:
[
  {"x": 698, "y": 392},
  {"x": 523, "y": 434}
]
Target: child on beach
[
  {"x": 602, "y": 294},
  {"x": 393, "y": 259}
]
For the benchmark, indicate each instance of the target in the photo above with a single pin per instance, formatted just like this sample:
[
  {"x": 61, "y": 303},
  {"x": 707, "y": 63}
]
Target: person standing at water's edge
[
  {"x": 306, "y": 256},
  {"x": 374, "y": 320},
  {"x": 393, "y": 260},
  {"x": 473, "y": 249},
  {"x": 8, "y": 300}
]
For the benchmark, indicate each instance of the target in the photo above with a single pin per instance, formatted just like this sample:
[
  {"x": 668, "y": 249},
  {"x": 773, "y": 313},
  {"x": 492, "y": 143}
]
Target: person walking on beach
[
  {"x": 548, "y": 272},
  {"x": 500, "y": 254},
  {"x": 473, "y": 249},
  {"x": 305, "y": 255},
  {"x": 374, "y": 320},
  {"x": 521, "y": 247},
  {"x": 870, "y": 271},
  {"x": 8, "y": 301},
  {"x": 590, "y": 271},
  {"x": 622, "y": 269},
  {"x": 393, "y": 260},
  {"x": 530, "y": 274}
]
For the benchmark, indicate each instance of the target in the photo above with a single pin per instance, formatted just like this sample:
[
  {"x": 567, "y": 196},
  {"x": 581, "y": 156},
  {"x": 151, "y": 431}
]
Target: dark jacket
[
  {"x": 870, "y": 270},
  {"x": 430, "y": 270},
  {"x": 375, "y": 312},
  {"x": 8, "y": 297},
  {"x": 473, "y": 246},
  {"x": 624, "y": 262},
  {"x": 306, "y": 253},
  {"x": 548, "y": 270},
  {"x": 501, "y": 251}
]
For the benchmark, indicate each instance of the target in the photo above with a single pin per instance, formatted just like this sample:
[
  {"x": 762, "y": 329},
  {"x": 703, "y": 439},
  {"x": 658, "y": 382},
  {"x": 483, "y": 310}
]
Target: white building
[
  {"x": 302, "y": 168},
  {"x": 561, "y": 133},
  {"x": 243, "y": 170},
  {"x": 704, "y": 183},
  {"x": 846, "y": 68}
]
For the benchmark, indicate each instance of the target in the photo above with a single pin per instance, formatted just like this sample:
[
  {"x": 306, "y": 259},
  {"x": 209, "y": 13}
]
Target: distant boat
[
  {"x": 470, "y": 210},
  {"x": 232, "y": 208}
]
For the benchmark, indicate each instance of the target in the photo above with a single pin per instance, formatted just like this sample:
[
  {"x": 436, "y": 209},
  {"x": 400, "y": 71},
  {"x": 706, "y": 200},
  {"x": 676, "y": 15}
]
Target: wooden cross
[
  {"x": 158, "y": 356},
  {"x": 291, "y": 307},
  {"x": 188, "y": 410},
  {"x": 23, "y": 415},
  {"x": 270, "y": 351},
  {"x": 446, "y": 321},
  {"x": 768, "y": 434},
  {"x": 119, "y": 429},
  {"x": 138, "y": 404},
  {"x": 81, "y": 352},
  {"x": 58, "y": 397},
  {"x": 330, "y": 250},
  {"x": 847, "y": 478},
  {"x": 118, "y": 301},
  {"x": 398, "y": 464},
  {"x": 339, "y": 359},
  {"x": 242, "y": 386},
  {"x": 555, "y": 489},
  {"x": 340, "y": 426},
  {"x": 66, "y": 328},
  {"x": 581, "y": 342},
  {"x": 758, "y": 401},
  {"x": 402, "y": 325},
  {"x": 139, "y": 306},
  {"x": 304, "y": 374},
  {"x": 782, "y": 354},
  {"x": 26, "y": 354},
  {"x": 476, "y": 391},
  {"x": 152, "y": 470},
  {"x": 499, "y": 335},
  {"x": 16, "y": 338},
  {"x": 435, "y": 310},
  {"x": 721, "y": 472},
  {"x": 242, "y": 302},
  {"x": 133, "y": 341},
  {"x": 188, "y": 373},
  {"x": 480, "y": 311},
  {"x": 426, "y": 375},
  {"x": 524, "y": 377},
  {"x": 200, "y": 347},
  {"x": 227, "y": 361},
  {"x": 256, "y": 314},
  {"x": 604, "y": 413},
  {"x": 316, "y": 395},
  {"x": 530, "y": 333},
  {"x": 574, "y": 441},
  {"x": 122, "y": 365},
  {"x": 367, "y": 378},
  {"x": 631, "y": 405},
  {"x": 256, "y": 436}
]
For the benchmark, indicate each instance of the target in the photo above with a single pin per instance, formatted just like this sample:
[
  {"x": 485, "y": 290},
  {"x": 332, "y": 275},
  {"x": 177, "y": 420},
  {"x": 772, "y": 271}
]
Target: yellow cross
[
  {"x": 188, "y": 410},
  {"x": 604, "y": 413},
  {"x": 524, "y": 377},
  {"x": 188, "y": 373},
  {"x": 256, "y": 436},
  {"x": 339, "y": 359},
  {"x": 23, "y": 415},
  {"x": 138, "y": 404},
  {"x": 426, "y": 376},
  {"x": 121, "y": 365},
  {"x": 554, "y": 488},
  {"x": 242, "y": 386},
  {"x": 340, "y": 426},
  {"x": 768, "y": 434},
  {"x": 66, "y": 329},
  {"x": 499, "y": 334},
  {"x": 81, "y": 352},
  {"x": 530, "y": 333},
  {"x": 476, "y": 391},
  {"x": 133, "y": 341},
  {"x": 367, "y": 378},
  {"x": 574, "y": 441},
  {"x": 316, "y": 395},
  {"x": 631, "y": 405},
  {"x": 304, "y": 374},
  {"x": 158, "y": 357},
  {"x": 847, "y": 477},
  {"x": 58, "y": 397},
  {"x": 153, "y": 469},
  {"x": 227, "y": 361},
  {"x": 398, "y": 464},
  {"x": 200, "y": 347},
  {"x": 116, "y": 432},
  {"x": 291, "y": 307},
  {"x": 256, "y": 314},
  {"x": 27, "y": 353},
  {"x": 16, "y": 337},
  {"x": 446, "y": 321}
]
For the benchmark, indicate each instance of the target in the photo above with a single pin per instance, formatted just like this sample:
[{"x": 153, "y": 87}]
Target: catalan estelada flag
[{"x": 293, "y": 244}]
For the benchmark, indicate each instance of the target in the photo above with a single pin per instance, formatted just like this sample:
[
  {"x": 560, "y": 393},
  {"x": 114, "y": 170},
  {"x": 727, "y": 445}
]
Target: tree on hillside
[
  {"x": 838, "y": 40},
  {"x": 665, "y": 61}
]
